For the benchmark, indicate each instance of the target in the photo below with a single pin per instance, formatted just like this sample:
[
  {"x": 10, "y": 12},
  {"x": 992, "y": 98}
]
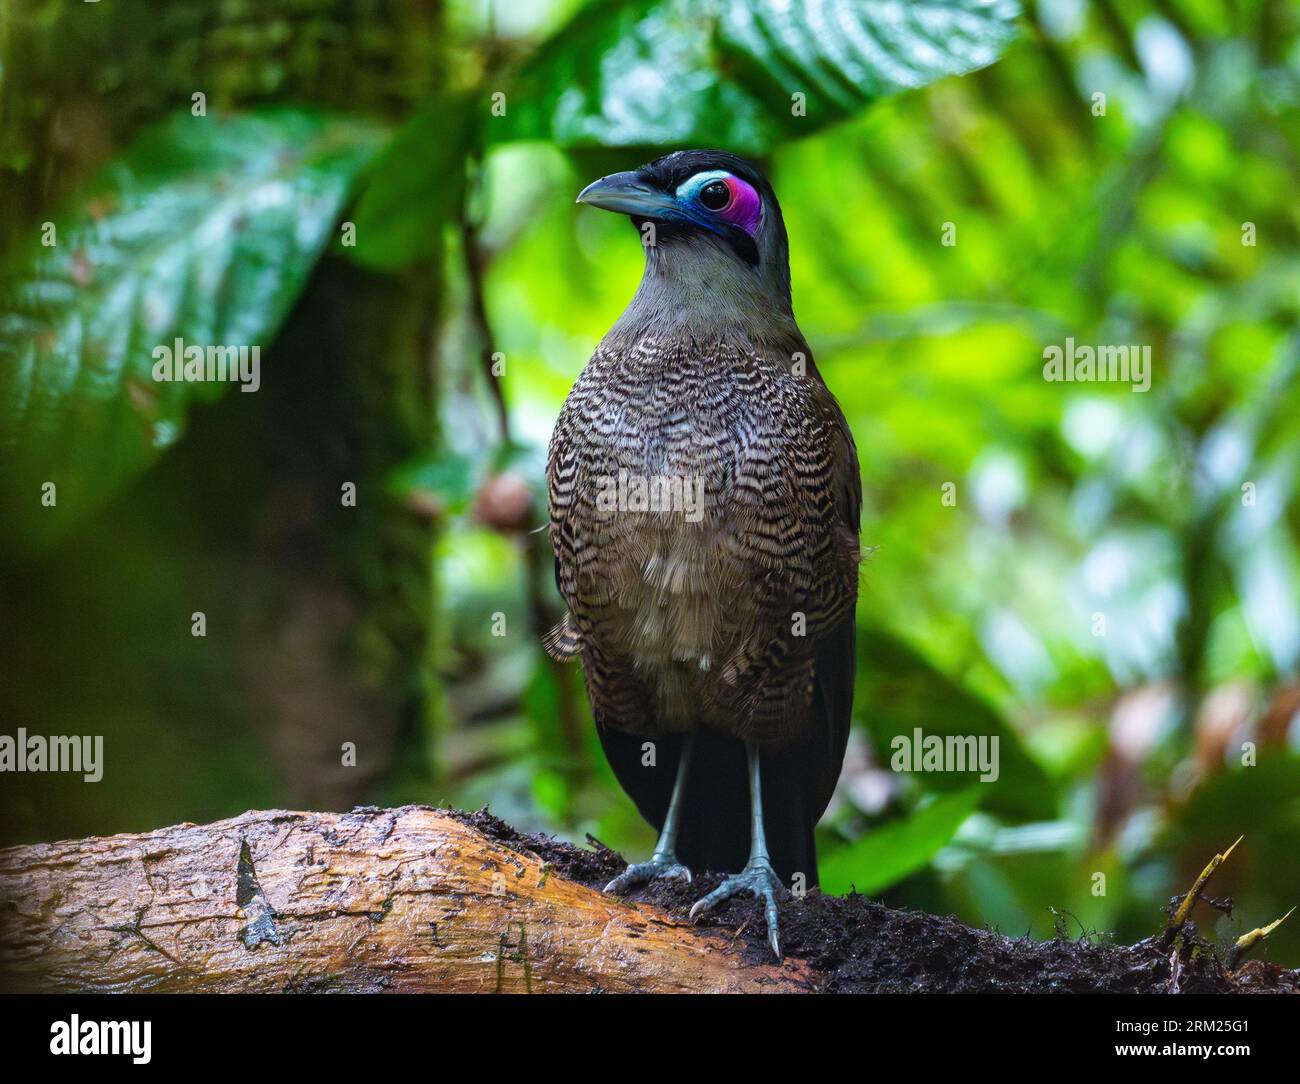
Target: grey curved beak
[{"x": 627, "y": 194}]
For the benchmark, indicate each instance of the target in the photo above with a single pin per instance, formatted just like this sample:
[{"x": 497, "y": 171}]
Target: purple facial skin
[{"x": 745, "y": 207}]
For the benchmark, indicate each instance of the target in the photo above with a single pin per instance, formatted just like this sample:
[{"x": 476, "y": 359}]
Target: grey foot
[
  {"x": 760, "y": 879},
  {"x": 661, "y": 865}
]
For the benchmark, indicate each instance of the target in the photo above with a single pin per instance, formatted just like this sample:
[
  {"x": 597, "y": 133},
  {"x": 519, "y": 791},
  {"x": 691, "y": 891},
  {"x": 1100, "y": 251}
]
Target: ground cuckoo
[{"x": 704, "y": 502}]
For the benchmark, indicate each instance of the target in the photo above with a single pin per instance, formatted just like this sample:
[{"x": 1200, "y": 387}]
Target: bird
[{"x": 704, "y": 502}]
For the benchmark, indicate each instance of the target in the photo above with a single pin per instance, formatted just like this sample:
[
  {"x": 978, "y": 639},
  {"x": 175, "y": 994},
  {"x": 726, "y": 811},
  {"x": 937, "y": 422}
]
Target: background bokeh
[{"x": 426, "y": 362}]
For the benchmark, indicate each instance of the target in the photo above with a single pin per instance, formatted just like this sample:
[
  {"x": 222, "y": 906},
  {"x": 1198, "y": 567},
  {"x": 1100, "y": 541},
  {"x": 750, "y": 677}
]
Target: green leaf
[
  {"x": 884, "y": 856},
  {"x": 899, "y": 691},
  {"x": 656, "y": 73},
  {"x": 206, "y": 230},
  {"x": 414, "y": 187}
]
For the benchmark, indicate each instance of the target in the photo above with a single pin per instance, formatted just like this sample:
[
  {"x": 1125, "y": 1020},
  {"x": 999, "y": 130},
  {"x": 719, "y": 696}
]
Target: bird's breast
[{"x": 683, "y": 478}]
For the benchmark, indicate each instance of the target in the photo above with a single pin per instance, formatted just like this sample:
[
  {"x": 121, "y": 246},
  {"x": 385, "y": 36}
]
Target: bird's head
[{"x": 714, "y": 214}]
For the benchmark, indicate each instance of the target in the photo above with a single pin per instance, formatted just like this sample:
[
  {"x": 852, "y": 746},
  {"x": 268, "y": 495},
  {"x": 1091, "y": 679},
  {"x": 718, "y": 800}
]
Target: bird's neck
[{"x": 700, "y": 291}]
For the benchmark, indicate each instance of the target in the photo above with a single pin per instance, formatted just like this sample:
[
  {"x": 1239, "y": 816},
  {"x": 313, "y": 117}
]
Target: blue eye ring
[
  {"x": 743, "y": 207},
  {"x": 690, "y": 190}
]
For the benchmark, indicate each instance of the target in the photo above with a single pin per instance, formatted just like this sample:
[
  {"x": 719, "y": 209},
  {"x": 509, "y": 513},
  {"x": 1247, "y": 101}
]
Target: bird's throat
[{"x": 695, "y": 287}]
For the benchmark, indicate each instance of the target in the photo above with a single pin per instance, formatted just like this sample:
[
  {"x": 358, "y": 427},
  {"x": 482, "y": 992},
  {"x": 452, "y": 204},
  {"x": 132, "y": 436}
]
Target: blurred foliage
[
  {"x": 205, "y": 232},
  {"x": 722, "y": 72},
  {"x": 1108, "y": 581}
]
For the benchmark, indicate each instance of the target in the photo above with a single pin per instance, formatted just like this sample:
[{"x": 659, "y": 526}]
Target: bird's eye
[{"x": 715, "y": 195}]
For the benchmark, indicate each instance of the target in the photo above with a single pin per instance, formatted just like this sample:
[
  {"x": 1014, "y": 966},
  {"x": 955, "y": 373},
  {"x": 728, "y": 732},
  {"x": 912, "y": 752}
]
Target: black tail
[{"x": 798, "y": 777}]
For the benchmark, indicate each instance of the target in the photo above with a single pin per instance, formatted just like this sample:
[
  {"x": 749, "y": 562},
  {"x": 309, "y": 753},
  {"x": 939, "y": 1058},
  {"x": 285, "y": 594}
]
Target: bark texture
[
  {"x": 409, "y": 899},
  {"x": 422, "y": 900}
]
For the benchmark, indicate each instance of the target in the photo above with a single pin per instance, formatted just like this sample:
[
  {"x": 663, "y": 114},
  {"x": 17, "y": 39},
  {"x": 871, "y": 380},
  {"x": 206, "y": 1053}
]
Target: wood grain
[{"x": 408, "y": 899}]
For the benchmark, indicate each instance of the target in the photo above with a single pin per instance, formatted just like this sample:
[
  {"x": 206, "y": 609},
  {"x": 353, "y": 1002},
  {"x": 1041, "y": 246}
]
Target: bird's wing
[
  {"x": 563, "y": 468},
  {"x": 804, "y": 777}
]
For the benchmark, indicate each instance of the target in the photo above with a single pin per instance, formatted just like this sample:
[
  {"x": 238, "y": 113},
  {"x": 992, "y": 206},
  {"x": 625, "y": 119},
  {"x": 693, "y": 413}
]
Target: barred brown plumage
[
  {"x": 704, "y": 500},
  {"x": 701, "y": 619}
]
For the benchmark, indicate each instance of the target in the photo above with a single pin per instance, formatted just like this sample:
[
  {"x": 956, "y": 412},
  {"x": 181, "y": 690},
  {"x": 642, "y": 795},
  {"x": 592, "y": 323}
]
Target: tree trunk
[{"x": 416, "y": 899}]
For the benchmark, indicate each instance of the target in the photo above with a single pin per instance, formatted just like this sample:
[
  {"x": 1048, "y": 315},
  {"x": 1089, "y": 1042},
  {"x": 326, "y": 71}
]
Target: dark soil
[{"x": 859, "y": 946}]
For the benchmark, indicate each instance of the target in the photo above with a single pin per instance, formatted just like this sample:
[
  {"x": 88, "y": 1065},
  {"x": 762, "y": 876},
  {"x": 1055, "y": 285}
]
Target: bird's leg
[
  {"x": 758, "y": 876},
  {"x": 663, "y": 863}
]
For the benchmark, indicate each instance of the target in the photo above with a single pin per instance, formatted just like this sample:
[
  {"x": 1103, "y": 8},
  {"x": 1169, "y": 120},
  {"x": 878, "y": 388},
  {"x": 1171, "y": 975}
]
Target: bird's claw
[
  {"x": 644, "y": 872},
  {"x": 760, "y": 879}
]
